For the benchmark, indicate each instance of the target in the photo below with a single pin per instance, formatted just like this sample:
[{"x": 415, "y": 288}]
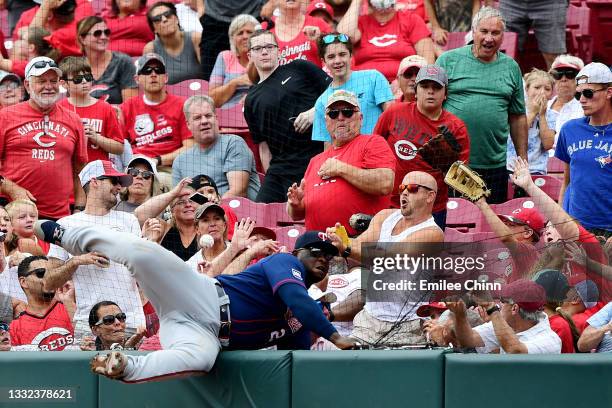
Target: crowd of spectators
[{"x": 338, "y": 97}]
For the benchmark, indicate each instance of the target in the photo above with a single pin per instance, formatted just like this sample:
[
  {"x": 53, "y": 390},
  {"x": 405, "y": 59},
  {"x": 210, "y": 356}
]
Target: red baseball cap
[
  {"x": 103, "y": 168},
  {"x": 320, "y": 6},
  {"x": 526, "y": 216},
  {"x": 526, "y": 293},
  {"x": 425, "y": 310}
]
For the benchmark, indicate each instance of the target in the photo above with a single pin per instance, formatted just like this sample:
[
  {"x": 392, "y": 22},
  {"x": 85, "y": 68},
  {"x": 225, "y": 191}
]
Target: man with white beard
[{"x": 42, "y": 145}]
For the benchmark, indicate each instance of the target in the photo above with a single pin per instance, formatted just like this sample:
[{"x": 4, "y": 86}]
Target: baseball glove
[
  {"x": 442, "y": 150},
  {"x": 466, "y": 181}
]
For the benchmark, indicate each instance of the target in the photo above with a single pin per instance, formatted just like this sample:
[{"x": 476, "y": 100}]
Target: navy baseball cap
[
  {"x": 554, "y": 283},
  {"x": 315, "y": 239},
  {"x": 202, "y": 180}
]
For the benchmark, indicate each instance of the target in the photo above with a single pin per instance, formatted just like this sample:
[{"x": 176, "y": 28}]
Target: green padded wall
[
  {"x": 239, "y": 379},
  {"x": 48, "y": 370},
  {"x": 368, "y": 378},
  {"x": 515, "y": 381}
]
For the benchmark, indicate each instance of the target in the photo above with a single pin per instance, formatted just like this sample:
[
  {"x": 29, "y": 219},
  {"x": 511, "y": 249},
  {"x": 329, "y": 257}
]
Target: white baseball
[{"x": 206, "y": 241}]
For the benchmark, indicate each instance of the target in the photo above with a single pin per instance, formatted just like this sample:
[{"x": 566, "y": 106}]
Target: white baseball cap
[
  {"x": 141, "y": 158},
  {"x": 103, "y": 168},
  {"x": 411, "y": 61},
  {"x": 39, "y": 65},
  {"x": 594, "y": 73}
]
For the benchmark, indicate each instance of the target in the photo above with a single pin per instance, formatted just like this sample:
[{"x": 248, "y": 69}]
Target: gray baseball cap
[
  {"x": 145, "y": 59},
  {"x": 434, "y": 73}
]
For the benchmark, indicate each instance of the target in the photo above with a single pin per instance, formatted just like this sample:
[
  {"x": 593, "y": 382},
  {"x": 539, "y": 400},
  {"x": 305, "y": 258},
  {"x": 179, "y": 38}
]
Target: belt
[{"x": 224, "y": 315}]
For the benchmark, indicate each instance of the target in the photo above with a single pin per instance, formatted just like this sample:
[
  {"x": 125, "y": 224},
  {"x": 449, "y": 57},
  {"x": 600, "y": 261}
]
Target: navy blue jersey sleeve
[
  {"x": 280, "y": 269},
  {"x": 302, "y": 340}
]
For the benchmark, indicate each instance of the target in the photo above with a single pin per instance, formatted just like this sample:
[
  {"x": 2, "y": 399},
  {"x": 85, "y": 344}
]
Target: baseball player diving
[{"x": 267, "y": 304}]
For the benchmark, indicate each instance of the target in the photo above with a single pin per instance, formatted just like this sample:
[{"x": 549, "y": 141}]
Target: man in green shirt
[{"x": 485, "y": 90}]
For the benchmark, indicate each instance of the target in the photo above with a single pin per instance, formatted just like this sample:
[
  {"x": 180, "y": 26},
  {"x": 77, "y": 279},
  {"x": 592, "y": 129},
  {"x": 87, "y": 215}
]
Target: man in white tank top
[{"x": 394, "y": 323}]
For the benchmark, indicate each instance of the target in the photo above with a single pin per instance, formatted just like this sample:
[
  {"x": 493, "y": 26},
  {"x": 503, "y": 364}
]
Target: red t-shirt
[
  {"x": 42, "y": 162},
  {"x": 155, "y": 129},
  {"x": 102, "y": 118},
  {"x": 560, "y": 326},
  {"x": 580, "y": 319},
  {"x": 19, "y": 67},
  {"x": 406, "y": 129},
  {"x": 301, "y": 47},
  {"x": 335, "y": 199},
  {"x": 51, "y": 332},
  {"x": 129, "y": 34},
  {"x": 383, "y": 47},
  {"x": 231, "y": 220}
]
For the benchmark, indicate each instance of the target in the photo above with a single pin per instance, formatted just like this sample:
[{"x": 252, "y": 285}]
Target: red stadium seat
[
  {"x": 278, "y": 216},
  {"x": 189, "y": 88},
  {"x": 462, "y": 215},
  {"x": 511, "y": 205},
  {"x": 231, "y": 118},
  {"x": 555, "y": 165},
  {"x": 288, "y": 235},
  {"x": 454, "y": 235},
  {"x": 243, "y": 208},
  {"x": 601, "y": 23},
  {"x": 549, "y": 184}
]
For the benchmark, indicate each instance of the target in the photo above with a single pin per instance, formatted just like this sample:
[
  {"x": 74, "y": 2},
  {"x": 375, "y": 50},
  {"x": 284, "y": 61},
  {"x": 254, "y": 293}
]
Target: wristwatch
[
  {"x": 347, "y": 252},
  {"x": 493, "y": 309}
]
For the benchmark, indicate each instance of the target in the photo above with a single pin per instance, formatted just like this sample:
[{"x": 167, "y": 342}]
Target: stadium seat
[
  {"x": 601, "y": 23},
  {"x": 454, "y": 235},
  {"x": 4, "y": 23},
  {"x": 243, "y": 208},
  {"x": 189, "y": 88},
  {"x": 505, "y": 208},
  {"x": 288, "y": 235},
  {"x": 549, "y": 184},
  {"x": 231, "y": 118},
  {"x": 277, "y": 216},
  {"x": 555, "y": 165},
  {"x": 462, "y": 215}
]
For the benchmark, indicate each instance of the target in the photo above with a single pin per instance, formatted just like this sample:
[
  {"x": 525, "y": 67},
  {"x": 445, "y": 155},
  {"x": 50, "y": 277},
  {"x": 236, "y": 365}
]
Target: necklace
[{"x": 602, "y": 129}]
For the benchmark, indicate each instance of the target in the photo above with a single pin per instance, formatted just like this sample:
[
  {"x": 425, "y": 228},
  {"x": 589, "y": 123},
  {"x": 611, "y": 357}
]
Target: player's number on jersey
[{"x": 275, "y": 335}]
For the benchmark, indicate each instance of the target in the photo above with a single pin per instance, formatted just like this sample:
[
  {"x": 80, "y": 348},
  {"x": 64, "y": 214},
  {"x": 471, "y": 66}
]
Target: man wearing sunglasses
[
  {"x": 46, "y": 322},
  {"x": 585, "y": 146},
  {"x": 42, "y": 144},
  {"x": 99, "y": 279},
  {"x": 371, "y": 87},
  {"x": 357, "y": 170},
  {"x": 197, "y": 313},
  {"x": 406, "y": 76},
  {"x": 155, "y": 121},
  {"x": 394, "y": 321}
]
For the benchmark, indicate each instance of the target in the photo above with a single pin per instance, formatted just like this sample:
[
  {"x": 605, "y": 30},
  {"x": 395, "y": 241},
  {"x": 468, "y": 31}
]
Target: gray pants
[{"x": 186, "y": 302}]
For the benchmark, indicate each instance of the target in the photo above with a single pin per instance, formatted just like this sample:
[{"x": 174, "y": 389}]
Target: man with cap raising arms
[
  {"x": 408, "y": 126},
  {"x": 42, "y": 145},
  {"x": 198, "y": 314},
  {"x": 357, "y": 170}
]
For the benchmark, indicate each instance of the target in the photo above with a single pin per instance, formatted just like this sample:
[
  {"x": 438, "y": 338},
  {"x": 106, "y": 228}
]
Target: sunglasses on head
[
  {"x": 346, "y": 112},
  {"x": 568, "y": 73},
  {"x": 587, "y": 93},
  {"x": 42, "y": 64},
  {"x": 80, "y": 78},
  {"x": 412, "y": 188},
  {"x": 330, "y": 38},
  {"x": 149, "y": 69},
  {"x": 98, "y": 33},
  {"x": 110, "y": 319},
  {"x": 159, "y": 17},
  {"x": 319, "y": 253},
  {"x": 146, "y": 174},
  {"x": 39, "y": 272}
]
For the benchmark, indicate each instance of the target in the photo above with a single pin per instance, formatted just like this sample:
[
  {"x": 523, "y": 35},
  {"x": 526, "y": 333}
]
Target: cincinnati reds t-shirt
[
  {"x": 300, "y": 47},
  {"x": 50, "y": 332},
  {"x": 406, "y": 130},
  {"x": 155, "y": 129},
  {"x": 383, "y": 46},
  {"x": 38, "y": 151},
  {"x": 102, "y": 118}
]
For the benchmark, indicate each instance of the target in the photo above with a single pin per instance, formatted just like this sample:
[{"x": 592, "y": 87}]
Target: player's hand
[
  {"x": 133, "y": 341},
  {"x": 242, "y": 233},
  {"x": 344, "y": 343},
  {"x": 295, "y": 194},
  {"x": 92, "y": 258},
  {"x": 458, "y": 308},
  {"x": 575, "y": 253},
  {"x": 521, "y": 176},
  {"x": 304, "y": 121},
  {"x": 312, "y": 32},
  {"x": 334, "y": 238},
  {"x": 88, "y": 343},
  {"x": 331, "y": 167},
  {"x": 152, "y": 230}
]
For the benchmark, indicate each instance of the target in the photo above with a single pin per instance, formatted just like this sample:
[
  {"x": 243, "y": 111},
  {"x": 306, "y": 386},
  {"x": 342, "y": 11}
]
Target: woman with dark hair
[
  {"x": 107, "y": 323},
  {"x": 127, "y": 20},
  {"x": 37, "y": 46},
  {"x": 179, "y": 49},
  {"x": 113, "y": 71}
]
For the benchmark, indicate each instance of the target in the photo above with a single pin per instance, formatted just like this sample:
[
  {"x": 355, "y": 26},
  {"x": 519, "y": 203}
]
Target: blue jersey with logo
[
  {"x": 259, "y": 316},
  {"x": 588, "y": 150}
]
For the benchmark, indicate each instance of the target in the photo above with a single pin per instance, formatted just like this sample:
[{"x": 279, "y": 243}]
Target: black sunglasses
[
  {"x": 39, "y": 272},
  {"x": 410, "y": 73},
  {"x": 588, "y": 93},
  {"x": 80, "y": 78},
  {"x": 110, "y": 319},
  {"x": 319, "y": 253},
  {"x": 568, "y": 73},
  {"x": 134, "y": 172},
  {"x": 159, "y": 17},
  {"x": 330, "y": 38},
  {"x": 98, "y": 33},
  {"x": 149, "y": 69},
  {"x": 346, "y": 112},
  {"x": 113, "y": 180}
]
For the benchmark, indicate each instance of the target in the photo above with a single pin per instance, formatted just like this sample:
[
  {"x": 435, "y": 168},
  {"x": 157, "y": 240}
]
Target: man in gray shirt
[{"x": 225, "y": 158}]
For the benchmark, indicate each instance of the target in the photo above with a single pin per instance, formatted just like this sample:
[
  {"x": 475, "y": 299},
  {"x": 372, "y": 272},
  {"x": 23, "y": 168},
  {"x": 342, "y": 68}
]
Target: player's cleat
[
  {"x": 49, "y": 231},
  {"x": 110, "y": 365}
]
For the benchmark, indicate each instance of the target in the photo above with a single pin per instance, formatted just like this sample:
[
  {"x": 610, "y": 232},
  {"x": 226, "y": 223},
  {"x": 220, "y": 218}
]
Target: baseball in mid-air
[{"x": 206, "y": 241}]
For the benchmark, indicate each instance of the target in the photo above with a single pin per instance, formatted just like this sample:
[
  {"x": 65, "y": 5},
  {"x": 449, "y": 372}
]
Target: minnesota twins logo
[{"x": 603, "y": 160}]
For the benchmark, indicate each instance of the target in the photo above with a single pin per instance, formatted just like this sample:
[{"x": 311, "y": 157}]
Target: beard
[{"x": 44, "y": 102}]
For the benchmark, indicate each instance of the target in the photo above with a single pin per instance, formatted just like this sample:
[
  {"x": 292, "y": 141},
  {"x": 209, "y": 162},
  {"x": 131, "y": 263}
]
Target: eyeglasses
[
  {"x": 42, "y": 64},
  {"x": 39, "y": 272},
  {"x": 114, "y": 180},
  {"x": 149, "y": 69},
  {"x": 98, "y": 33},
  {"x": 146, "y": 174},
  {"x": 80, "y": 78},
  {"x": 11, "y": 86},
  {"x": 346, "y": 112},
  {"x": 330, "y": 38},
  {"x": 588, "y": 93},
  {"x": 267, "y": 47},
  {"x": 110, "y": 319},
  {"x": 412, "y": 188},
  {"x": 319, "y": 253},
  {"x": 180, "y": 202},
  {"x": 568, "y": 73},
  {"x": 410, "y": 73},
  {"x": 159, "y": 17}
]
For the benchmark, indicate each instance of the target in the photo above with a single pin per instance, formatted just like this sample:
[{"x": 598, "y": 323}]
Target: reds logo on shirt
[
  {"x": 143, "y": 124},
  {"x": 384, "y": 40},
  {"x": 53, "y": 339},
  {"x": 337, "y": 282},
  {"x": 289, "y": 54},
  {"x": 45, "y": 133},
  {"x": 405, "y": 150},
  {"x": 98, "y": 92}
]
